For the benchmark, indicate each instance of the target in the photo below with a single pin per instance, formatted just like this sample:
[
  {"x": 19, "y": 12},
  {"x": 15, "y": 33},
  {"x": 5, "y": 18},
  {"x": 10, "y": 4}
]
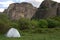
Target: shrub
[
  {"x": 43, "y": 23},
  {"x": 56, "y": 18},
  {"x": 34, "y": 23},
  {"x": 4, "y": 23},
  {"x": 53, "y": 23},
  {"x": 3, "y": 27},
  {"x": 4, "y": 17},
  {"x": 14, "y": 25},
  {"x": 24, "y": 24}
]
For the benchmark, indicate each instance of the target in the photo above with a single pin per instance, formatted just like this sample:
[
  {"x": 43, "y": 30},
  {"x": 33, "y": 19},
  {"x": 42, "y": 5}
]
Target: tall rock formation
[
  {"x": 47, "y": 9},
  {"x": 20, "y": 10},
  {"x": 58, "y": 10}
]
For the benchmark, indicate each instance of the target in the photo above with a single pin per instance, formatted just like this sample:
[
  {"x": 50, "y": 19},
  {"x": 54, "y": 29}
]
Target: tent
[{"x": 13, "y": 33}]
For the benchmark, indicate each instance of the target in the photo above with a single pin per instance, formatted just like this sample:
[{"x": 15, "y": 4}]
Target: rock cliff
[
  {"x": 47, "y": 9},
  {"x": 20, "y": 10}
]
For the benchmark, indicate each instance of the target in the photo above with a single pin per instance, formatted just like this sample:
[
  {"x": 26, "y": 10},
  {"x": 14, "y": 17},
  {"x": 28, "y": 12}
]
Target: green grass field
[{"x": 35, "y": 36}]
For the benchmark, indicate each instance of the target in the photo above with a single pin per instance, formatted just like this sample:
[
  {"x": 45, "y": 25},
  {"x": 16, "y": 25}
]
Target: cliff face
[
  {"x": 46, "y": 9},
  {"x": 58, "y": 10},
  {"x": 20, "y": 10}
]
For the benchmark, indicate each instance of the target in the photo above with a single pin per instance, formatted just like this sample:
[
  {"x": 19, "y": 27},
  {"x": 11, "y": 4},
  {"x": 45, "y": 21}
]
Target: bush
[
  {"x": 34, "y": 23},
  {"x": 4, "y": 17},
  {"x": 53, "y": 23},
  {"x": 14, "y": 25},
  {"x": 56, "y": 18},
  {"x": 43, "y": 23},
  {"x": 24, "y": 24},
  {"x": 4, "y": 23},
  {"x": 3, "y": 27}
]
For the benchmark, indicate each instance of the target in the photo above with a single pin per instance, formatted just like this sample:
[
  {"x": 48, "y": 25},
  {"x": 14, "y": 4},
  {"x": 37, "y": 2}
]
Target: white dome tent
[{"x": 13, "y": 33}]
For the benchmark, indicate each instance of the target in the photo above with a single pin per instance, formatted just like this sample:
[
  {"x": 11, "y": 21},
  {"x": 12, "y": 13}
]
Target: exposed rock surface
[
  {"x": 47, "y": 9},
  {"x": 18, "y": 10},
  {"x": 58, "y": 10}
]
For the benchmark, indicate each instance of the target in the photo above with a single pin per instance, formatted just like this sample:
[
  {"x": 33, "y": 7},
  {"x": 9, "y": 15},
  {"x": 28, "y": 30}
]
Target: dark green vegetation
[
  {"x": 43, "y": 29},
  {"x": 28, "y": 25}
]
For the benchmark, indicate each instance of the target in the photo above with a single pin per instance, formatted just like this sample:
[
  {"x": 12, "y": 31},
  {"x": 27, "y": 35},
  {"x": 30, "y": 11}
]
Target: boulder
[{"x": 13, "y": 33}]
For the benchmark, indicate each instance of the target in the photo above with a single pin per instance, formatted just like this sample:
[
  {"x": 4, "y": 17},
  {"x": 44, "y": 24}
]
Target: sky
[{"x": 5, "y": 3}]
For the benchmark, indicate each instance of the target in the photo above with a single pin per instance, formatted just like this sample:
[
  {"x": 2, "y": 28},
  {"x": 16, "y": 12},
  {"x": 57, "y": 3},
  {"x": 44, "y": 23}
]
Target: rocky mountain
[
  {"x": 20, "y": 10},
  {"x": 48, "y": 8}
]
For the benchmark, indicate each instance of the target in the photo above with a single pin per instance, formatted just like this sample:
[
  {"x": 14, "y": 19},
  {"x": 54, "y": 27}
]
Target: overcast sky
[{"x": 5, "y": 3}]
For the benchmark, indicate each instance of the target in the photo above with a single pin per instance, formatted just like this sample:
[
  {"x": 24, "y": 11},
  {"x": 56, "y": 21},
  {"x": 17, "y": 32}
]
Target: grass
[{"x": 35, "y": 36}]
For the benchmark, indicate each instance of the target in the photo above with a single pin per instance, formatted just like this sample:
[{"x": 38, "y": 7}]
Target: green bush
[
  {"x": 53, "y": 23},
  {"x": 4, "y": 23},
  {"x": 3, "y": 27},
  {"x": 56, "y": 18},
  {"x": 43, "y": 23},
  {"x": 34, "y": 23},
  {"x": 14, "y": 25},
  {"x": 4, "y": 17},
  {"x": 24, "y": 24}
]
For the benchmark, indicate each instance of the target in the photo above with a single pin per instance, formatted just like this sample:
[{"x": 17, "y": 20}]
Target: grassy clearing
[{"x": 35, "y": 36}]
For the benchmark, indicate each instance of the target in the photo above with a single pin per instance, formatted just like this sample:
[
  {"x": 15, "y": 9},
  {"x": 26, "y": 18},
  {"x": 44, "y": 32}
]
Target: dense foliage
[
  {"x": 4, "y": 23},
  {"x": 42, "y": 25}
]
